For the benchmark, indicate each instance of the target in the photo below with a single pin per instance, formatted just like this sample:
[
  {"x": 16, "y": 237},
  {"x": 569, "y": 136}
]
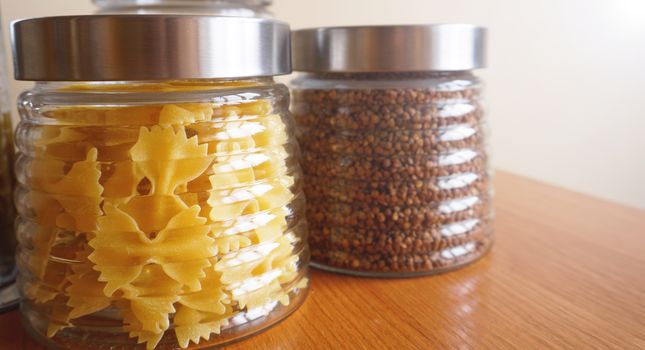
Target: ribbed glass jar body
[
  {"x": 168, "y": 213},
  {"x": 398, "y": 181},
  {"x": 235, "y": 8}
]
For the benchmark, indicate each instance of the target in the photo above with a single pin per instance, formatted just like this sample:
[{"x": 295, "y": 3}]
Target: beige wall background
[{"x": 566, "y": 81}]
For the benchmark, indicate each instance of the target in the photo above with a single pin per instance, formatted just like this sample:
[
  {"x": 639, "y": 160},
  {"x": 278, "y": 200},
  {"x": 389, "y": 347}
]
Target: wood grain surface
[{"x": 567, "y": 271}]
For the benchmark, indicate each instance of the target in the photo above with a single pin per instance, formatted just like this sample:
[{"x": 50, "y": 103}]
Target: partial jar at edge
[
  {"x": 7, "y": 182},
  {"x": 397, "y": 169},
  {"x": 235, "y": 8},
  {"x": 165, "y": 213}
]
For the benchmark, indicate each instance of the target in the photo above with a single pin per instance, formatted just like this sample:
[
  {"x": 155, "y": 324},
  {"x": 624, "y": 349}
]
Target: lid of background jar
[
  {"x": 149, "y": 47},
  {"x": 237, "y": 8},
  {"x": 399, "y": 48}
]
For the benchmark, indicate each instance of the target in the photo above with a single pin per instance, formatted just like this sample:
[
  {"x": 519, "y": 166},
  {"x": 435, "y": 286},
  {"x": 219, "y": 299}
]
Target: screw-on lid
[
  {"x": 149, "y": 47},
  {"x": 404, "y": 48}
]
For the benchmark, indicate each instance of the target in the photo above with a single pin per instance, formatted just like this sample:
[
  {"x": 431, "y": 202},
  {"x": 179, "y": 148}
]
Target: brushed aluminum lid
[
  {"x": 149, "y": 47},
  {"x": 398, "y": 48}
]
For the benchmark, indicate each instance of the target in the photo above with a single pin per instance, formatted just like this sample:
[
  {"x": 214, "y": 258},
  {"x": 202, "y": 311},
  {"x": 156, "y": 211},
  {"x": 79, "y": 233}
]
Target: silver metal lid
[
  {"x": 404, "y": 48},
  {"x": 149, "y": 47}
]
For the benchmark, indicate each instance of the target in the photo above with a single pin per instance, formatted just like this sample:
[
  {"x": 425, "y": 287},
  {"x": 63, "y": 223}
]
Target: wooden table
[{"x": 567, "y": 272}]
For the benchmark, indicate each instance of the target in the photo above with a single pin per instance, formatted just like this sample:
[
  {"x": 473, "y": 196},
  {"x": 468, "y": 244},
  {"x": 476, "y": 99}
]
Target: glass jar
[
  {"x": 8, "y": 292},
  {"x": 156, "y": 211},
  {"x": 236, "y": 8},
  {"x": 393, "y": 136}
]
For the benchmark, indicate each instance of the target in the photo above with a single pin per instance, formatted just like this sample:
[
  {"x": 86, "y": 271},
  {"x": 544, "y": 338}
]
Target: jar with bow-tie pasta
[
  {"x": 393, "y": 133},
  {"x": 159, "y": 197}
]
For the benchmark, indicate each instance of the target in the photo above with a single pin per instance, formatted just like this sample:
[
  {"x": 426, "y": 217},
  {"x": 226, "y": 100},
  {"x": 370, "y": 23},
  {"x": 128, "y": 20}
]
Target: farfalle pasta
[{"x": 177, "y": 222}]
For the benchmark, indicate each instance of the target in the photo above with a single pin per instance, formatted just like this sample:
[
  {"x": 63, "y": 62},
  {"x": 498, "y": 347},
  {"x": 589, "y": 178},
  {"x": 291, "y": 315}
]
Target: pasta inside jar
[{"x": 159, "y": 213}]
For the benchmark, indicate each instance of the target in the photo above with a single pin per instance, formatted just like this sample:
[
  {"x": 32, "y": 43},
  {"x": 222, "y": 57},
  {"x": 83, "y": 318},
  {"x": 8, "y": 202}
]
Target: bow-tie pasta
[{"x": 175, "y": 219}]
